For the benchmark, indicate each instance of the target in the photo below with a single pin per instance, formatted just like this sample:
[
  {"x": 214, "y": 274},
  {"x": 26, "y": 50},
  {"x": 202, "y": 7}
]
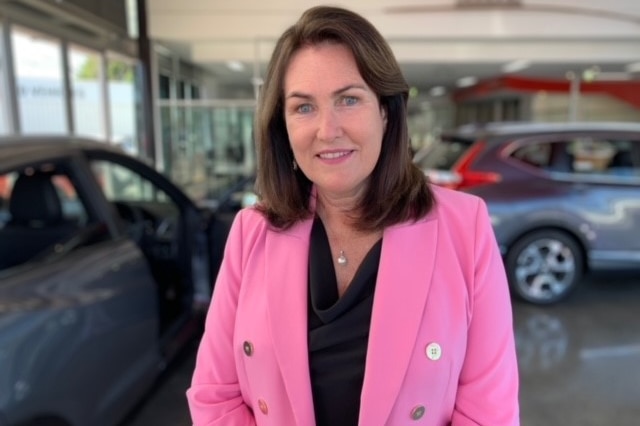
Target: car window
[
  {"x": 548, "y": 155},
  {"x": 133, "y": 194},
  {"x": 443, "y": 153},
  {"x": 120, "y": 183},
  {"x": 604, "y": 157},
  {"x": 6, "y": 183},
  {"x": 42, "y": 215},
  {"x": 537, "y": 155},
  {"x": 72, "y": 207},
  {"x": 585, "y": 156}
]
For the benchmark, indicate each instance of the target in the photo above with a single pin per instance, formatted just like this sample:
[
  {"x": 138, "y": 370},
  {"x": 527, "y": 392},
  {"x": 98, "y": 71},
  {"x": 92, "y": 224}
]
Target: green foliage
[{"x": 116, "y": 70}]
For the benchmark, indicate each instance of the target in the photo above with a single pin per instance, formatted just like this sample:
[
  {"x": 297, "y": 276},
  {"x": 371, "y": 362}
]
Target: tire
[{"x": 544, "y": 266}]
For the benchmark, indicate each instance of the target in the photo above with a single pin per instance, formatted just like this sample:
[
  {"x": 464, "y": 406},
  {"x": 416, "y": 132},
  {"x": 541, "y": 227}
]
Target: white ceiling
[{"x": 436, "y": 42}]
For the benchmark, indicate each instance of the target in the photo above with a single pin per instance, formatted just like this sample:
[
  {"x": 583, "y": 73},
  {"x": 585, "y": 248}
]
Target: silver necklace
[{"x": 342, "y": 259}]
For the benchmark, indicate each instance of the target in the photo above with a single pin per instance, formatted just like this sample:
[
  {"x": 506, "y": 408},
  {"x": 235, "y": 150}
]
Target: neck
[{"x": 335, "y": 212}]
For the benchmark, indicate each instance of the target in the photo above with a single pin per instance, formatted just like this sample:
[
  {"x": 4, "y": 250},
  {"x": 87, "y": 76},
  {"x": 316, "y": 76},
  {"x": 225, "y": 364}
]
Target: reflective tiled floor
[
  {"x": 166, "y": 405},
  {"x": 579, "y": 362}
]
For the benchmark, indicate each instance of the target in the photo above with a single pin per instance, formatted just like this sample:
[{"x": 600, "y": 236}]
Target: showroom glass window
[
  {"x": 87, "y": 100},
  {"x": 39, "y": 82},
  {"x": 4, "y": 117},
  {"x": 166, "y": 125},
  {"x": 123, "y": 105}
]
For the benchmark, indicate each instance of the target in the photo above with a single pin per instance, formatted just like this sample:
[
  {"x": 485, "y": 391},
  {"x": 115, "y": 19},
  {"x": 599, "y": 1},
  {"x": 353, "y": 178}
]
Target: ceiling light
[
  {"x": 516, "y": 66},
  {"x": 236, "y": 66},
  {"x": 466, "y": 81},
  {"x": 437, "y": 91},
  {"x": 591, "y": 73}
]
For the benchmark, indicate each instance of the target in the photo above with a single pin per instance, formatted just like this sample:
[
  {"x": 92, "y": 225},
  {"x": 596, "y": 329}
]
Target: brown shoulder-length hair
[{"x": 396, "y": 190}]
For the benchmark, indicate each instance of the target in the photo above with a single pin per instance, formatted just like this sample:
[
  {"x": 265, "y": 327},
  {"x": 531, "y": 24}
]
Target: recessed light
[
  {"x": 235, "y": 66},
  {"x": 516, "y": 66},
  {"x": 466, "y": 81},
  {"x": 437, "y": 91}
]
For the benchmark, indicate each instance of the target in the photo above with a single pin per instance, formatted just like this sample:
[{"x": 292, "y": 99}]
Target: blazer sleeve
[
  {"x": 488, "y": 384},
  {"x": 215, "y": 397}
]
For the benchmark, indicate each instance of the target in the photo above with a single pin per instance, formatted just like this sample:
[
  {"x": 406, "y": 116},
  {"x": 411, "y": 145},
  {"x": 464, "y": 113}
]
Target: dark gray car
[
  {"x": 564, "y": 198},
  {"x": 105, "y": 268}
]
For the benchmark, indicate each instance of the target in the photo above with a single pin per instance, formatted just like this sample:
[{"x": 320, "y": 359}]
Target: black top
[{"x": 338, "y": 332}]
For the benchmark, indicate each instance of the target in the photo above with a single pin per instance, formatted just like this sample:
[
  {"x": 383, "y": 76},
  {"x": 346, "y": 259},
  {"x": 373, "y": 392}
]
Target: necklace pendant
[{"x": 342, "y": 259}]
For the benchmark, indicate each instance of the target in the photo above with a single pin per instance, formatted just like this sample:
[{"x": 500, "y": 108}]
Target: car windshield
[{"x": 444, "y": 153}]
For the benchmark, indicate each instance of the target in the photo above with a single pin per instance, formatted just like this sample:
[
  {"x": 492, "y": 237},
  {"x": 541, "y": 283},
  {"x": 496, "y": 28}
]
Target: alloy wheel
[{"x": 544, "y": 266}]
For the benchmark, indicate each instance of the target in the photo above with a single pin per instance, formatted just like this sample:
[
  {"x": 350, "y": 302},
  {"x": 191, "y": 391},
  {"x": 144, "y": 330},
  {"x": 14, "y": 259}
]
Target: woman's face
[{"x": 334, "y": 120}]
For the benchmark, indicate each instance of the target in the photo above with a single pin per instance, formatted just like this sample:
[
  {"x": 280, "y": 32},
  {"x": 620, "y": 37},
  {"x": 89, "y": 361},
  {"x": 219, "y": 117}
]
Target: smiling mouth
[{"x": 333, "y": 155}]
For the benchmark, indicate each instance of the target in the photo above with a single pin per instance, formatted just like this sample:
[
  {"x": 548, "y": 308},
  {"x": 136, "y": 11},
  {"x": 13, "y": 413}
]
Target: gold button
[
  {"x": 263, "y": 407},
  {"x": 417, "y": 412},
  {"x": 248, "y": 348},
  {"x": 433, "y": 351}
]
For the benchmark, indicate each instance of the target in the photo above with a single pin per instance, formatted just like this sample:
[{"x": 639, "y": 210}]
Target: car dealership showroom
[{"x": 127, "y": 149}]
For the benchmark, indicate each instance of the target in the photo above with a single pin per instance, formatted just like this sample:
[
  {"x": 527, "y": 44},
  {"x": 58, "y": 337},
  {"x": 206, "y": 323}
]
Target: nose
[{"x": 329, "y": 125}]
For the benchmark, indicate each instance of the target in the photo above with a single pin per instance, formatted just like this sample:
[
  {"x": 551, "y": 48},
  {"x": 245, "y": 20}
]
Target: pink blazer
[{"x": 441, "y": 344}]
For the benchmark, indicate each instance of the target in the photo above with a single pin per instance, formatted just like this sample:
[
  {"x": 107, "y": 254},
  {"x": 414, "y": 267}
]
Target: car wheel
[{"x": 544, "y": 266}]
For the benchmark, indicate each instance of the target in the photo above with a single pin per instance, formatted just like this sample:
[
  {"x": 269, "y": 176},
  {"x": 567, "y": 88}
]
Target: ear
[{"x": 383, "y": 114}]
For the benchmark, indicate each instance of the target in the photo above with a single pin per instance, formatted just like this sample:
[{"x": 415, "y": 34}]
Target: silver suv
[{"x": 564, "y": 198}]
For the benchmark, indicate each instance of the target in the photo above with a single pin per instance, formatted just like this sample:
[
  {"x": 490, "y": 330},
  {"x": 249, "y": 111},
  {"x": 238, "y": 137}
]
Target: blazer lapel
[
  {"x": 404, "y": 278},
  {"x": 286, "y": 277}
]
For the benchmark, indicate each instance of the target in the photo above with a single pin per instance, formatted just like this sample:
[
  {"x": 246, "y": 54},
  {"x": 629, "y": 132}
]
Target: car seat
[
  {"x": 561, "y": 159},
  {"x": 37, "y": 222}
]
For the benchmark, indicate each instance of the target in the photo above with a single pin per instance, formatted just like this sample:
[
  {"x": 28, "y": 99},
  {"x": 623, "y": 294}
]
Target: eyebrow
[{"x": 335, "y": 93}]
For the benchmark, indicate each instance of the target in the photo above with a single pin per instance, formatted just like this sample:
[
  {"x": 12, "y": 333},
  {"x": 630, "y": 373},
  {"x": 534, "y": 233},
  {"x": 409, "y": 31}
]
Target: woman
[{"x": 353, "y": 293}]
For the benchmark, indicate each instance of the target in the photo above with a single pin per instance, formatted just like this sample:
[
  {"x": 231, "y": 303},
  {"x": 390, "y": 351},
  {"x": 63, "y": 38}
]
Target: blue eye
[
  {"x": 304, "y": 108},
  {"x": 350, "y": 100}
]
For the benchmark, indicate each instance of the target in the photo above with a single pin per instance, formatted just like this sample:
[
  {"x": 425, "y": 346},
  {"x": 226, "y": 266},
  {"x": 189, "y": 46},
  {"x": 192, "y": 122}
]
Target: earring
[{"x": 295, "y": 165}]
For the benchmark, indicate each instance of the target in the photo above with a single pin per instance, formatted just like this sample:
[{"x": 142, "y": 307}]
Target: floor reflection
[
  {"x": 579, "y": 360},
  {"x": 542, "y": 342}
]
